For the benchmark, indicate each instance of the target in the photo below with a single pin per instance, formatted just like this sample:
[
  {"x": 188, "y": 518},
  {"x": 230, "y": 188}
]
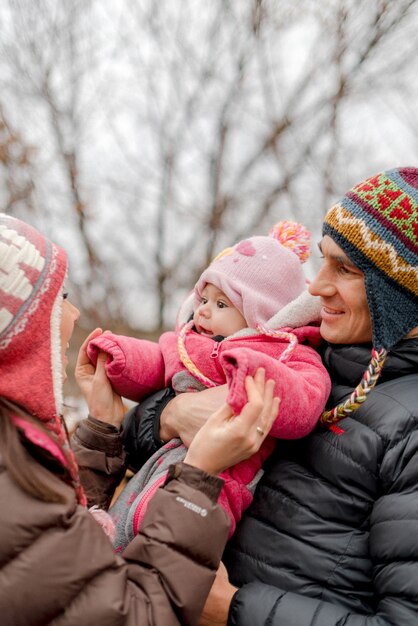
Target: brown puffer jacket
[{"x": 57, "y": 567}]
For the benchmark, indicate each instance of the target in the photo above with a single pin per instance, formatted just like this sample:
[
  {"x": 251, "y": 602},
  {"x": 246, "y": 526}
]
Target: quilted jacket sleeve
[
  {"x": 101, "y": 460},
  {"x": 58, "y": 568},
  {"x": 141, "y": 428}
]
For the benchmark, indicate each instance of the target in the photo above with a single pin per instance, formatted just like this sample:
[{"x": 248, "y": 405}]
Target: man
[{"x": 332, "y": 535}]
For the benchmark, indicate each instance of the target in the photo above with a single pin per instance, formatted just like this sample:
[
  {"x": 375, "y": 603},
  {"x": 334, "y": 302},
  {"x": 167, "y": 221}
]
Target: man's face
[{"x": 340, "y": 285}]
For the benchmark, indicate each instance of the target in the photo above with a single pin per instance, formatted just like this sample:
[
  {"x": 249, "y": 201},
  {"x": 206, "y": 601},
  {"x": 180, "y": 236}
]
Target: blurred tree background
[{"x": 146, "y": 136}]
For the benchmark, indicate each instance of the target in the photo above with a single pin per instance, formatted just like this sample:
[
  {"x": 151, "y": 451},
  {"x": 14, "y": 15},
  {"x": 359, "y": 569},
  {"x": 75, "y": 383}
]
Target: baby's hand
[{"x": 103, "y": 402}]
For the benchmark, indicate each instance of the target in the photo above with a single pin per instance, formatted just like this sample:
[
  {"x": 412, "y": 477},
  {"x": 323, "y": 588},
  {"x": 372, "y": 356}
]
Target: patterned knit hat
[
  {"x": 32, "y": 273},
  {"x": 376, "y": 224},
  {"x": 261, "y": 275}
]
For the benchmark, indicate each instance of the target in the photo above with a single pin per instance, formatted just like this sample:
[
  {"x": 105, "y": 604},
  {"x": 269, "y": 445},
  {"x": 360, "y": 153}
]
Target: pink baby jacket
[{"x": 137, "y": 368}]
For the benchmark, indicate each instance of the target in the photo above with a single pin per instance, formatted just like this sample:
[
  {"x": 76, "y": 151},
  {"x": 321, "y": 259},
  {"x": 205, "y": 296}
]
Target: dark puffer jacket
[{"x": 332, "y": 534}]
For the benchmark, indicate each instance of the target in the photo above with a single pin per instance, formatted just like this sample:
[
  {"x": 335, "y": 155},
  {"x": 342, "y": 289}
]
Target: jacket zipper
[{"x": 139, "y": 514}]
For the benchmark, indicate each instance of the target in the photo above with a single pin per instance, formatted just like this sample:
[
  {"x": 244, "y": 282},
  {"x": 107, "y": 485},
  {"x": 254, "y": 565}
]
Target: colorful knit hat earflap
[
  {"x": 261, "y": 275},
  {"x": 376, "y": 224}
]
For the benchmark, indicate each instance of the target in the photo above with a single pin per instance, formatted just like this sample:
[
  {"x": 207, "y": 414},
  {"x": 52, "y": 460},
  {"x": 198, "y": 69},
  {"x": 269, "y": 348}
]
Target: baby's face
[{"x": 216, "y": 315}]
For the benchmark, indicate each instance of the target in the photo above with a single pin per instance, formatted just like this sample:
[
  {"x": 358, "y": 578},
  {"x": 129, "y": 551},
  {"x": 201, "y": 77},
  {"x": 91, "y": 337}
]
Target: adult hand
[
  {"x": 103, "y": 402},
  {"x": 226, "y": 439},
  {"x": 185, "y": 414},
  {"x": 216, "y": 609}
]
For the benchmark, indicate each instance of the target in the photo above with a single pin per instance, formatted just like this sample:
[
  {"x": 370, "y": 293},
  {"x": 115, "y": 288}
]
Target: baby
[{"x": 250, "y": 308}]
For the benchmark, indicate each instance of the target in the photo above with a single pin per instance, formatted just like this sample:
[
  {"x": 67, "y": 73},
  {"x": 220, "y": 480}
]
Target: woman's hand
[
  {"x": 216, "y": 609},
  {"x": 103, "y": 403},
  {"x": 226, "y": 439}
]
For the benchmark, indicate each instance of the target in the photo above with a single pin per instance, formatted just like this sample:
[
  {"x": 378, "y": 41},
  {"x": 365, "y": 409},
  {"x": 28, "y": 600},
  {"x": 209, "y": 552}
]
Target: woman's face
[{"x": 69, "y": 317}]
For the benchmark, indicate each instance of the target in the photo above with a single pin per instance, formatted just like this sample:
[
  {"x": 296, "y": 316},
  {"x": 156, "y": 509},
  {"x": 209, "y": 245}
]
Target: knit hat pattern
[
  {"x": 376, "y": 224},
  {"x": 32, "y": 273},
  {"x": 260, "y": 275}
]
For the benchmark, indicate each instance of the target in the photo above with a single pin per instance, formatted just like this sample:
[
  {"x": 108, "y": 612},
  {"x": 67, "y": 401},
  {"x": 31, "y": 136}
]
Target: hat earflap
[{"x": 185, "y": 311}]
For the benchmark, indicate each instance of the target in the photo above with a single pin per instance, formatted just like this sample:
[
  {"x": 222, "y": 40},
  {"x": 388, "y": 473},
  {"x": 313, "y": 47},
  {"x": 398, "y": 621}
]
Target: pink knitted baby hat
[
  {"x": 261, "y": 275},
  {"x": 32, "y": 273}
]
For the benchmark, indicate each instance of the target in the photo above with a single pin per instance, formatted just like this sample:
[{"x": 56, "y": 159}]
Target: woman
[{"x": 56, "y": 563}]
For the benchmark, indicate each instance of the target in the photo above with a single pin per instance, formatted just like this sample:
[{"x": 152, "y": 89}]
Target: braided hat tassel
[{"x": 360, "y": 393}]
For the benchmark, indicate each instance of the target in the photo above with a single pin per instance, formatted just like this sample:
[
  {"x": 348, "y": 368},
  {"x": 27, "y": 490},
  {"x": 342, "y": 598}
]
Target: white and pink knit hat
[{"x": 261, "y": 275}]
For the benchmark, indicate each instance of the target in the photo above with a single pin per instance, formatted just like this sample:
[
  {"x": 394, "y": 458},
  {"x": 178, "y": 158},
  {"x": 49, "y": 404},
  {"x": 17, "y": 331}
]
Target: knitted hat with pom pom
[{"x": 261, "y": 275}]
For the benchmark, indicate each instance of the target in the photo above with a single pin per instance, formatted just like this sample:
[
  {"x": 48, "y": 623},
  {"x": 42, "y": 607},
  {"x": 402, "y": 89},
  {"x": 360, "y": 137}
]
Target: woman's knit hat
[
  {"x": 32, "y": 273},
  {"x": 376, "y": 224},
  {"x": 261, "y": 275}
]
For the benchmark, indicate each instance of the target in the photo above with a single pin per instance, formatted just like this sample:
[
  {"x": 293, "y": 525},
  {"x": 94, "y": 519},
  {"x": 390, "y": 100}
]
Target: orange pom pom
[{"x": 294, "y": 236}]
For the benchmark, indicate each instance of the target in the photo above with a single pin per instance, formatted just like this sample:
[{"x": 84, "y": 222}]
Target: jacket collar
[{"x": 346, "y": 364}]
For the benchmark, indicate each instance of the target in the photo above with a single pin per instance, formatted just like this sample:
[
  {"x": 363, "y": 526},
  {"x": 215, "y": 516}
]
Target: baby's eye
[
  {"x": 65, "y": 295},
  {"x": 221, "y": 305},
  {"x": 203, "y": 300}
]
